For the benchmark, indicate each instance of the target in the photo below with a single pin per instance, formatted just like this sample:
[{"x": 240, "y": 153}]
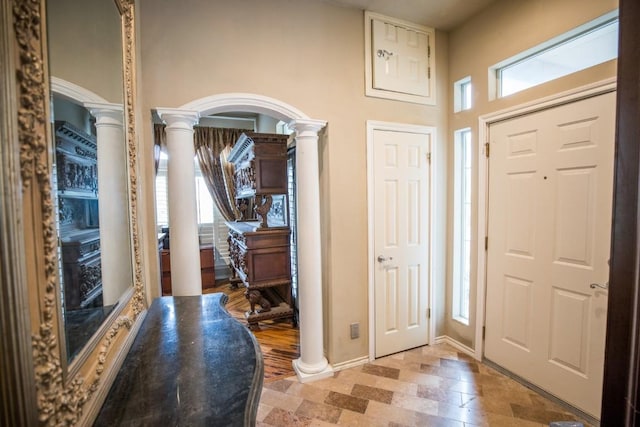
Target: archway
[{"x": 312, "y": 364}]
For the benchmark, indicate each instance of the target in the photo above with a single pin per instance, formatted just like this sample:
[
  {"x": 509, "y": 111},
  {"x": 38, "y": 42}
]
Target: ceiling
[{"x": 438, "y": 14}]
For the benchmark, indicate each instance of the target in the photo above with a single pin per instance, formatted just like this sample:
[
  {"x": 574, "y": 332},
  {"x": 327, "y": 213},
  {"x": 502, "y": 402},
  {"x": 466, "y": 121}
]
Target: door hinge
[
  {"x": 429, "y": 72},
  {"x": 486, "y": 150},
  {"x": 486, "y": 243},
  {"x": 484, "y": 330},
  {"x": 428, "y": 313},
  {"x": 428, "y": 51},
  {"x": 429, "y": 157}
]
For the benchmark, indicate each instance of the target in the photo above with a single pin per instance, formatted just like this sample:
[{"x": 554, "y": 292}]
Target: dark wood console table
[{"x": 190, "y": 364}]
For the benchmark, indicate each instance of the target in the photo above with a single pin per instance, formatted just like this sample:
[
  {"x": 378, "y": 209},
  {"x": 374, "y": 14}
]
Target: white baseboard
[
  {"x": 445, "y": 339},
  {"x": 351, "y": 363}
]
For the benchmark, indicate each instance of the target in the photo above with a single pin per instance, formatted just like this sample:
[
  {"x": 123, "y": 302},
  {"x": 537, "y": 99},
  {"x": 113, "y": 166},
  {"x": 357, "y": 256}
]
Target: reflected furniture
[
  {"x": 191, "y": 364},
  {"x": 260, "y": 250},
  {"x": 77, "y": 184}
]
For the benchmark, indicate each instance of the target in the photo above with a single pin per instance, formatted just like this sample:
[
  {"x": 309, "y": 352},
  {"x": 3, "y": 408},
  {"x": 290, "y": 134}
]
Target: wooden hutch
[
  {"x": 259, "y": 247},
  {"x": 77, "y": 185}
]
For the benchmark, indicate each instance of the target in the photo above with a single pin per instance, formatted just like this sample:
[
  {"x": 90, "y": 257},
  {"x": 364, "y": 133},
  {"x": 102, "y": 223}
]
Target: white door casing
[
  {"x": 549, "y": 224},
  {"x": 399, "y": 59},
  {"x": 399, "y": 221}
]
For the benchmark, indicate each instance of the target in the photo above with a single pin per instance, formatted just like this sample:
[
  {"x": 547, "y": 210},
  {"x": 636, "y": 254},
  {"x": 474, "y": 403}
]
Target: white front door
[
  {"x": 550, "y": 198},
  {"x": 401, "y": 239}
]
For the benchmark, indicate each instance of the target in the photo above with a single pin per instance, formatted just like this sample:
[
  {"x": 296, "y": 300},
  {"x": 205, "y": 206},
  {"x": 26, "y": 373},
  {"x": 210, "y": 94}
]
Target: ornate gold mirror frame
[{"x": 63, "y": 398}]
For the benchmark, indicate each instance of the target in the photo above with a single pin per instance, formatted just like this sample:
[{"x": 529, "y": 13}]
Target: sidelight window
[{"x": 462, "y": 225}]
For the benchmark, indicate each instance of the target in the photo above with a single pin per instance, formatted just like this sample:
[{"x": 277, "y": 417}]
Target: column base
[{"x": 307, "y": 377}]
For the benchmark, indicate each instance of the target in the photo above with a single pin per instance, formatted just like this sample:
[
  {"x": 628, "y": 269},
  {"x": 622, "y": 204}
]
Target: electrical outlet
[{"x": 355, "y": 331}]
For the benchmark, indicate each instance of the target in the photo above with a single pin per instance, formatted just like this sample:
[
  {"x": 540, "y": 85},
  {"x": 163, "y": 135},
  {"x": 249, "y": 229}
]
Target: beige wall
[
  {"x": 309, "y": 54},
  {"x": 501, "y": 31},
  {"x": 85, "y": 45}
]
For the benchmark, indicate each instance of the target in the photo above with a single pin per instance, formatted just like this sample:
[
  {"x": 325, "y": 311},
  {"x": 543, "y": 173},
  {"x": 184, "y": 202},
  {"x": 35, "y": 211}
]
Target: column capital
[
  {"x": 106, "y": 114},
  {"x": 307, "y": 127},
  {"x": 178, "y": 119}
]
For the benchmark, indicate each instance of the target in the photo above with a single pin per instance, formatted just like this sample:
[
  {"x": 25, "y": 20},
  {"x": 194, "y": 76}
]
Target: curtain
[{"x": 212, "y": 146}]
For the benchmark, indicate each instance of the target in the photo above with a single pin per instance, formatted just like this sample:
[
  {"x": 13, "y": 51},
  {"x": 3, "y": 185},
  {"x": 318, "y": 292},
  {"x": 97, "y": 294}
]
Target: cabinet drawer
[
  {"x": 206, "y": 257},
  {"x": 165, "y": 259},
  {"x": 268, "y": 265}
]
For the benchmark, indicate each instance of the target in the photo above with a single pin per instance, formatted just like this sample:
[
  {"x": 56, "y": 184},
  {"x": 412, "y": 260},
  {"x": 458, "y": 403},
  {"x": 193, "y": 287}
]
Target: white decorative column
[
  {"x": 113, "y": 200},
  {"x": 186, "y": 278},
  {"x": 312, "y": 364}
]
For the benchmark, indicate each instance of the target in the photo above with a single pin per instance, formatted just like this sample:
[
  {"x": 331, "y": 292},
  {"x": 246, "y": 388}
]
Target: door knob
[
  {"x": 598, "y": 285},
  {"x": 382, "y": 258}
]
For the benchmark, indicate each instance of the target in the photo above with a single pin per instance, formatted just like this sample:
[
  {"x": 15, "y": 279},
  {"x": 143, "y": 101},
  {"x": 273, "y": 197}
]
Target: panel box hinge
[
  {"x": 486, "y": 243},
  {"x": 486, "y": 150},
  {"x": 428, "y": 313}
]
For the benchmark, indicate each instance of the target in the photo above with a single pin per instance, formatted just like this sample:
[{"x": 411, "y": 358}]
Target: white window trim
[
  {"x": 494, "y": 83},
  {"x": 458, "y": 95},
  {"x": 368, "y": 69}
]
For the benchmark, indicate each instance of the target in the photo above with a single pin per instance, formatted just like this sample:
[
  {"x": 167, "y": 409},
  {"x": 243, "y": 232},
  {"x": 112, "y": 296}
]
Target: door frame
[
  {"x": 484, "y": 121},
  {"x": 372, "y": 126}
]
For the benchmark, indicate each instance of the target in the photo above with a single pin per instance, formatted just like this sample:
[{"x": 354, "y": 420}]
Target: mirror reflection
[{"x": 85, "y": 58}]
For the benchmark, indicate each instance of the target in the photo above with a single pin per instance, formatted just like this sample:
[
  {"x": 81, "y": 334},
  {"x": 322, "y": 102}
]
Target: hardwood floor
[{"x": 278, "y": 339}]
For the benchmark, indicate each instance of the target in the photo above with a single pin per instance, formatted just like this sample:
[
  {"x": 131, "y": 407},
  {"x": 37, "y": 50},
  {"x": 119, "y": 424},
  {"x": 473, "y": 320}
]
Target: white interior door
[
  {"x": 403, "y": 62},
  {"x": 550, "y": 198},
  {"x": 401, "y": 240}
]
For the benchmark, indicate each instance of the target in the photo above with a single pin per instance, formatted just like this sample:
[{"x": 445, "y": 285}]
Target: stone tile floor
[{"x": 426, "y": 386}]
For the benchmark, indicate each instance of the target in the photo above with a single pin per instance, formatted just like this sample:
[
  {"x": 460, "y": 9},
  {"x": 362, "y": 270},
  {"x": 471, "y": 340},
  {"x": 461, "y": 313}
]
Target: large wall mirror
[
  {"x": 78, "y": 256},
  {"x": 90, "y": 162}
]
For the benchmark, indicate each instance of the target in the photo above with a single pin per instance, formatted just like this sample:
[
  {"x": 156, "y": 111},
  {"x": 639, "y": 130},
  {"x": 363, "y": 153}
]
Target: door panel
[
  {"x": 550, "y": 197},
  {"x": 405, "y": 68},
  {"x": 401, "y": 239},
  {"x": 568, "y": 332}
]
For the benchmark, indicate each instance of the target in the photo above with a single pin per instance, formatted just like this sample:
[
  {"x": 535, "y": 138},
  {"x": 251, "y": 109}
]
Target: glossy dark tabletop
[{"x": 191, "y": 364}]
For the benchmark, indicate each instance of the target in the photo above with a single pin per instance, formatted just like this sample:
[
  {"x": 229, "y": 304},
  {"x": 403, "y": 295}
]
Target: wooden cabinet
[
  {"x": 165, "y": 266},
  {"x": 260, "y": 164},
  {"x": 82, "y": 272},
  {"x": 77, "y": 188},
  {"x": 259, "y": 251},
  {"x": 207, "y": 268},
  {"x": 260, "y": 172},
  {"x": 261, "y": 260}
]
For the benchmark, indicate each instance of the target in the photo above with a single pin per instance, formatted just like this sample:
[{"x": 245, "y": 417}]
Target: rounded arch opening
[
  {"x": 312, "y": 363},
  {"x": 246, "y": 103},
  {"x": 74, "y": 93}
]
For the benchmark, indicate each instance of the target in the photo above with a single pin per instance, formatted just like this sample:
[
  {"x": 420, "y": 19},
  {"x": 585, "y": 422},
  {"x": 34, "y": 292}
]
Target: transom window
[{"x": 583, "y": 47}]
